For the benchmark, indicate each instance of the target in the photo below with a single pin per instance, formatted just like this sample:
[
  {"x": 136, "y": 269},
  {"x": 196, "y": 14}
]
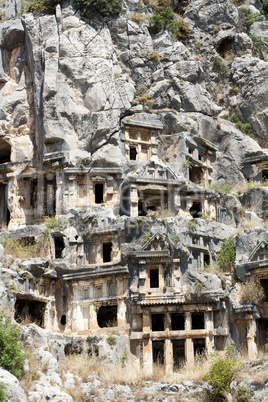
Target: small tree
[
  {"x": 252, "y": 292},
  {"x": 12, "y": 357},
  {"x": 221, "y": 374},
  {"x": 226, "y": 255}
]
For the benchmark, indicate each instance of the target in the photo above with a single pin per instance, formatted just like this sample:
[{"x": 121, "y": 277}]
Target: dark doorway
[
  {"x": 195, "y": 209},
  {"x": 178, "y": 353},
  {"x": 225, "y": 47},
  {"x": 264, "y": 284},
  {"x": 198, "y": 321},
  {"x": 158, "y": 322},
  {"x": 4, "y": 211},
  {"x": 125, "y": 202},
  {"x": 265, "y": 175},
  {"x": 177, "y": 322},
  {"x": 27, "y": 311},
  {"x": 154, "y": 278},
  {"x": 262, "y": 333},
  {"x": 59, "y": 246},
  {"x": 242, "y": 334},
  {"x": 107, "y": 316},
  {"x": 158, "y": 351},
  {"x": 133, "y": 153},
  {"x": 63, "y": 319},
  {"x": 107, "y": 252},
  {"x": 5, "y": 151},
  {"x": 206, "y": 259},
  {"x": 199, "y": 346},
  {"x": 50, "y": 200},
  {"x": 196, "y": 175},
  {"x": 98, "y": 193}
]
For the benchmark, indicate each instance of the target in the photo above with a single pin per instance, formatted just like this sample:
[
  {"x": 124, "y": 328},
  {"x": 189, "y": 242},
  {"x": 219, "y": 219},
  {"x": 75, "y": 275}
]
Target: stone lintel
[{"x": 99, "y": 272}]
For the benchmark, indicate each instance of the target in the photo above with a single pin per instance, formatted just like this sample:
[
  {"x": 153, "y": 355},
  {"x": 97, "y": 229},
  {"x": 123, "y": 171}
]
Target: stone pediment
[
  {"x": 157, "y": 242},
  {"x": 260, "y": 252},
  {"x": 155, "y": 169}
]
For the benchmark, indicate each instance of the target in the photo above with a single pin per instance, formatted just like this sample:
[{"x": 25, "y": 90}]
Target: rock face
[{"x": 123, "y": 169}]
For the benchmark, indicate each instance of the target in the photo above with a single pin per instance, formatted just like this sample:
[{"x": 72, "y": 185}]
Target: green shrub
[
  {"x": 226, "y": 255},
  {"x": 12, "y": 357},
  {"x": 221, "y": 374},
  {"x": 3, "y": 395},
  {"x": 88, "y": 8},
  {"x": 165, "y": 18},
  {"x": 103, "y": 8},
  {"x": 246, "y": 128},
  {"x": 252, "y": 291},
  {"x": 111, "y": 340},
  {"x": 258, "y": 45},
  {"x": 221, "y": 188},
  {"x": 247, "y": 18},
  {"x": 265, "y": 6},
  {"x": 219, "y": 65},
  {"x": 243, "y": 394},
  {"x": 40, "y": 6}
]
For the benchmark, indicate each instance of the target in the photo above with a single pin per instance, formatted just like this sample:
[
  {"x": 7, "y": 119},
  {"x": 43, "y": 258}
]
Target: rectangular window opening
[
  {"x": 98, "y": 193},
  {"x": 158, "y": 322},
  {"x": 177, "y": 322},
  {"x": 154, "y": 278},
  {"x": 158, "y": 351},
  {"x": 59, "y": 246},
  {"x": 198, "y": 321},
  {"x": 178, "y": 353},
  {"x": 107, "y": 252},
  {"x": 199, "y": 346}
]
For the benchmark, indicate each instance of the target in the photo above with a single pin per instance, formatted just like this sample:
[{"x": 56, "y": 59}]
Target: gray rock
[
  {"x": 13, "y": 388},
  {"x": 11, "y": 34}
]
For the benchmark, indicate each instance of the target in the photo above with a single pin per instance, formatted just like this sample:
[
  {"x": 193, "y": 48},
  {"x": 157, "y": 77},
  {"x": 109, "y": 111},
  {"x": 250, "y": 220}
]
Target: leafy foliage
[
  {"x": 221, "y": 374},
  {"x": 265, "y": 6},
  {"x": 103, "y": 8},
  {"x": 258, "y": 45},
  {"x": 247, "y": 18},
  {"x": 3, "y": 395},
  {"x": 88, "y": 8},
  {"x": 40, "y": 6},
  {"x": 246, "y": 128},
  {"x": 165, "y": 18},
  {"x": 219, "y": 65},
  {"x": 226, "y": 255},
  {"x": 252, "y": 291},
  {"x": 221, "y": 188},
  {"x": 12, "y": 357}
]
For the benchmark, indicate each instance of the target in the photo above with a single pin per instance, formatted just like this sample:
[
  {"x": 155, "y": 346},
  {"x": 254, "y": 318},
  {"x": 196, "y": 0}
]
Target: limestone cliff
[{"x": 127, "y": 158}]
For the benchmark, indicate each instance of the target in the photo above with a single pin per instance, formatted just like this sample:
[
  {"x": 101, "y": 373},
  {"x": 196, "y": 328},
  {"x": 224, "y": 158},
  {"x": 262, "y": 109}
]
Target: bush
[
  {"x": 221, "y": 374},
  {"x": 247, "y": 18},
  {"x": 111, "y": 340},
  {"x": 226, "y": 255},
  {"x": 88, "y": 8},
  {"x": 246, "y": 128},
  {"x": 12, "y": 357},
  {"x": 265, "y": 6},
  {"x": 3, "y": 395},
  {"x": 103, "y": 8},
  {"x": 165, "y": 18},
  {"x": 252, "y": 291},
  {"x": 219, "y": 65},
  {"x": 258, "y": 45},
  {"x": 40, "y": 6}
]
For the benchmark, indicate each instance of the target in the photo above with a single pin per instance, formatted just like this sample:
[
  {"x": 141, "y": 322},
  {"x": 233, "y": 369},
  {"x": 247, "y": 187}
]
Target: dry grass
[
  {"x": 32, "y": 375},
  {"x": 82, "y": 365},
  {"x": 128, "y": 372},
  {"x": 137, "y": 17},
  {"x": 18, "y": 250}
]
